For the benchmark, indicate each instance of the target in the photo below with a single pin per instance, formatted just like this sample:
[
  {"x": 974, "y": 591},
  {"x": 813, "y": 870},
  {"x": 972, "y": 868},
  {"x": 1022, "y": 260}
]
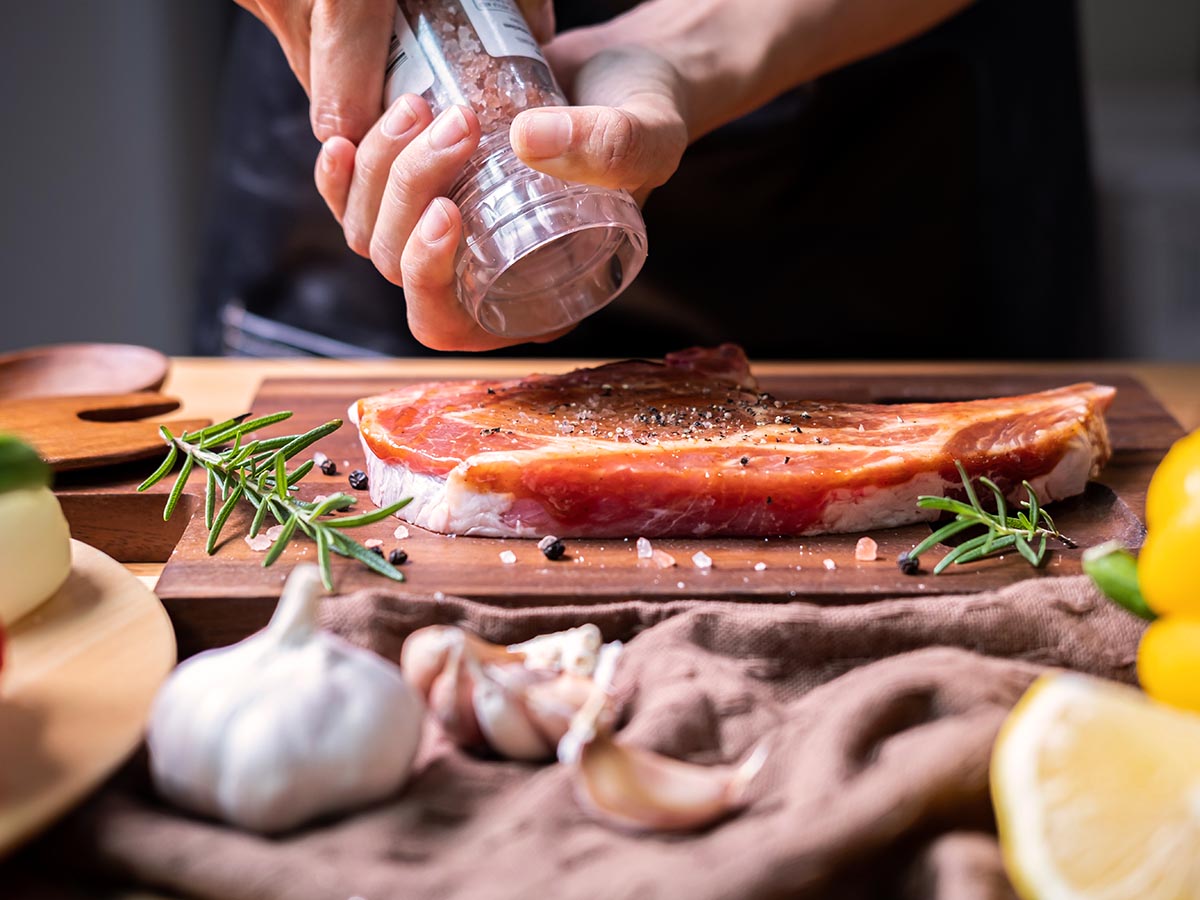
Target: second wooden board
[{"x": 80, "y": 674}]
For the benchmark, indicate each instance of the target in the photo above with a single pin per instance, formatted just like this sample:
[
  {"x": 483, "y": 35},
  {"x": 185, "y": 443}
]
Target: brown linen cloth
[{"x": 880, "y": 720}]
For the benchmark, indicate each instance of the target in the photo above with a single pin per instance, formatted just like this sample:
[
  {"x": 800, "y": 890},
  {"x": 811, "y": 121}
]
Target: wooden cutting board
[{"x": 216, "y": 599}]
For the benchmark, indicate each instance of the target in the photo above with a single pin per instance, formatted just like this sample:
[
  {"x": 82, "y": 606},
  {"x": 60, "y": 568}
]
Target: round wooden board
[{"x": 78, "y": 678}]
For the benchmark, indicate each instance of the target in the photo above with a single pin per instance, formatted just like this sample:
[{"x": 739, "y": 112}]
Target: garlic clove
[
  {"x": 424, "y": 655},
  {"x": 552, "y": 704},
  {"x": 517, "y": 700},
  {"x": 451, "y": 699},
  {"x": 644, "y": 791},
  {"x": 574, "y": 650},
  {"x": 504, "y": 720},
  {"x": 639, "y": 789}
]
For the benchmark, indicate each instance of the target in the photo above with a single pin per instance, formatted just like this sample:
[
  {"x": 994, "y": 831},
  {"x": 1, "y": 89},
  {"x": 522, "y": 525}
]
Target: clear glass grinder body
[{"x": 539, "y": 253}]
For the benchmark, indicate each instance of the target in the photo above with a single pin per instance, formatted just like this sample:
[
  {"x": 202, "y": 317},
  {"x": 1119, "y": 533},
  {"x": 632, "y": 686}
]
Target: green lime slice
[
  {"x": 20, "y": 466},
  {"x": 1113, "y": 569}
]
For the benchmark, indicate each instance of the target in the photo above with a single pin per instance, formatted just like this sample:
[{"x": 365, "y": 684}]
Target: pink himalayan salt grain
[
  {"x": 372, "y": 542},
  {"x": 701, "y": 560},
  {"x": 866, "y": 550},
  {"x": 258, "y": 543},
  {"x": 829, "y": 564},
  {"x": 508, "y": 557},
  {"x": 663, "y": 559},
  {"x": 400, "y": 533}
]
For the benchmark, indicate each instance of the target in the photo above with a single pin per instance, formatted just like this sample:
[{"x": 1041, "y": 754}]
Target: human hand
[
  {"x": 629, "y": 129},
  {"x": 389, "y": 192},
  {"x": 338, "y": 51}
]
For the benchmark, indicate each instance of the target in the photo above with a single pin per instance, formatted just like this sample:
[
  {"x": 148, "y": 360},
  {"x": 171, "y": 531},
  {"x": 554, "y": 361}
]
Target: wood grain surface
[
  {"x": 72, "y": 369},
  {"x": 216, "y": 599},
  {"x": 87, "y": 431},
  {"x": 80, "y": 673}
]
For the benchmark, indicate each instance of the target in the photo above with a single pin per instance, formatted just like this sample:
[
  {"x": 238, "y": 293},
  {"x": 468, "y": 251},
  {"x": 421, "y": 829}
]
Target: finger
[
  {"x": 635, "y": 146},
  {"x": 425, "y": 169},
  {"x": 436, "y": 316},
  {"x": 347, "y": 58},
  {"x": 334, "y": 171},
  {"x": 539, "y": 14},
  {"x": 405, "y": 119}
]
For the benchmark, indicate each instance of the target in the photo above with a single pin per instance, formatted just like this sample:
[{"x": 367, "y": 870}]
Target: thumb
[{"x": 634, "y": 146}]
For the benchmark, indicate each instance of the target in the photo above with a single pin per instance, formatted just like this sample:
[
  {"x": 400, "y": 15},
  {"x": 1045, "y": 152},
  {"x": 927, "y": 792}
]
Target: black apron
[{"x": 933, "y": 201}]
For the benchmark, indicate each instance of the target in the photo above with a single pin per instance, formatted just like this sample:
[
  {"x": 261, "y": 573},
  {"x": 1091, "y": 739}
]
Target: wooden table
[{"x": 219, "y": 388}]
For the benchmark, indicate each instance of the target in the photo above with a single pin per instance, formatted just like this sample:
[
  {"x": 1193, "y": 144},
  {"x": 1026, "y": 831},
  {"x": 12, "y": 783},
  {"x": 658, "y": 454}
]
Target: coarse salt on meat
[{"x": 659, "y": 453}]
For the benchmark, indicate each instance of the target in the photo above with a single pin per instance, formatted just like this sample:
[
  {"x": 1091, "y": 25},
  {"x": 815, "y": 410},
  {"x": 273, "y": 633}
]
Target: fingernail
[
  {"x": 399, "y": 119},
  {"x": 435, "y": 223},
  {"x": 328, "y": 160},
  {"x": 448, "y": 129},
  {"x": 546, "y": 134}
]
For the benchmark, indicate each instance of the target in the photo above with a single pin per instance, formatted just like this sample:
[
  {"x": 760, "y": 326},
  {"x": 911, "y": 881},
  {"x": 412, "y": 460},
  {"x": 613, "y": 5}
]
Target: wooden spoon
[
  {"x": 82, "y": 432},
  {"x": 78, "y": 369}
]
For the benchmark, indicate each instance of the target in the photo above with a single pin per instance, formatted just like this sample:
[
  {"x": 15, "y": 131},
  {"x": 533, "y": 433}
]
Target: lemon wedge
[{"x": 1097, "y": 794}]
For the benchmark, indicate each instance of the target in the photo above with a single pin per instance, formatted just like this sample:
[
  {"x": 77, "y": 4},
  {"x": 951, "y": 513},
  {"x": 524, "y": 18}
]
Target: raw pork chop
[{"x": 690, "y": 447}]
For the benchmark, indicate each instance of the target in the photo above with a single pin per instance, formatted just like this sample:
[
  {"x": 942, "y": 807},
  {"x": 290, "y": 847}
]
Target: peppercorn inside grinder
[{"x": 539, "y": 253}]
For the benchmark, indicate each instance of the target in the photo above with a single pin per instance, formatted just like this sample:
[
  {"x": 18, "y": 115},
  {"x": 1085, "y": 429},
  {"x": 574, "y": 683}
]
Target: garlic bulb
[
  {"x": 641, "y": 790},
  {"x": 517, "y": 700},
  {"x": 290, "y": 723}
]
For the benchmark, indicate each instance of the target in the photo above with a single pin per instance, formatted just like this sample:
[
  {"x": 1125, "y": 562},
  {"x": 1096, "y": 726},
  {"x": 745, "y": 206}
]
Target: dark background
[{"x": 109, "y": 111}]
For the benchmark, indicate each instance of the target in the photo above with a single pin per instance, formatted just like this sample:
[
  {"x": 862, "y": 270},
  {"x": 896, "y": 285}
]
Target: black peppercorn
[
  {"x": 358, "y": 480},
  {"x": 398, "y": 557},
  {"x": 329, "y": 467},
  {"x": 909, "y": 565},
  {"x": 552, "y": 547},
  {"x": 378, "y": 550},
  {"x": 745, "y": 460}
]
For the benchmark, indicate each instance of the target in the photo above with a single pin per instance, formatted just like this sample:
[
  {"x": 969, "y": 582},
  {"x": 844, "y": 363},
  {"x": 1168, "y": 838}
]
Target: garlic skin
[
  {"x": 574, "y": 650},
  {"x": 291, "y": 723},
  {"x": 640, "y": 790},
  {"x": 518, "y": 701}
]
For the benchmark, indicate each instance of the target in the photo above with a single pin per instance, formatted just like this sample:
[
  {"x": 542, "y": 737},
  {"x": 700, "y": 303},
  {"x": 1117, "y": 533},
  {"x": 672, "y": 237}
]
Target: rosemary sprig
[
  {"x": 237, "y": 467},
  {"x": 1002, "y": 531}
]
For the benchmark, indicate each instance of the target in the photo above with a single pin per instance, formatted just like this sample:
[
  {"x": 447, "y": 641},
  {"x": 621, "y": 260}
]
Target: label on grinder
[
  {"x": 408, "y": 71},
  {"x": 502, "y": 29}
]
